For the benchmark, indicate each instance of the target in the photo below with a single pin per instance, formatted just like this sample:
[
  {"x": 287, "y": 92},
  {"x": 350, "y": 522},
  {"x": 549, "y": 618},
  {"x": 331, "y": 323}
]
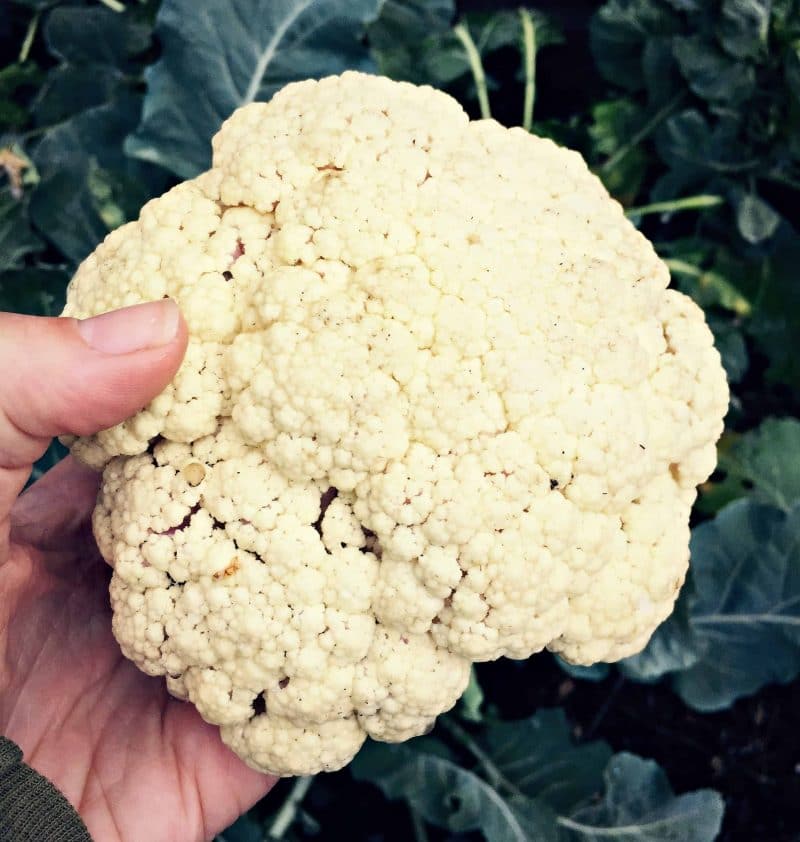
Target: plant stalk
[
  {"x": 646, "y": 130},
  {"x": 689, "y": 203},
  {"x": 682, "y": 267},
  {"x": 529, "y": 66},
  {"x": 495, "y": 777},
  {"x": 461, "y": 31},
  {"x": 288, "y": 812},
  {"x": 30, "y": 34}
]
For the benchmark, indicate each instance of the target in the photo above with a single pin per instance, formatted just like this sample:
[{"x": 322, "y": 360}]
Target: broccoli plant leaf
[
  {"x": 532, "y": 780},
  {"x": 409, "y": 20},
  {"x": 731, "y": 345},
  {"x": 613, "y": 124},
  {"x": 766, "y": 462},
  {"x": 744, "y": 27},
  {"x": 16, "y": 237},
  {"x": 671, "y": 648},
  {"x": 249, "y": 49},
  {"x": 450, "y": 796},
  {"x": 639, "y": 806},
  {"x": 94, "y": 36},
  {"x": 775, "y": 324},
  {"x": 35, "y": 291},
  {"x": 710, "y": 73},
  {"x": 755, "y": 219},
  {"x": 398, "y": 38},
  {"x": 70, "y": 90},
  {"x": 96, "y": 47},
  {"x": 744, "y": 613},
  {"x": 595, "y": 672},
  {"x": 16, "y": 78},
  {"x": 538, "y": 757},
  {"x": 74, "y": 158},
  {"x": 619, "y": 32}
]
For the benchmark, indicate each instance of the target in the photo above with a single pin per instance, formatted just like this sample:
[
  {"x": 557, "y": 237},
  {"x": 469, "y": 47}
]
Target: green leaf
[
  {"x": 404, "y": 22},
  {"x": 94, "y": 35},
  {"x": 244, "y": 829},
  {"x": 13, "y": 79},
  {"x": 538, "y": 757},
  {"x": 755, "y": 219},
  {"x": 686, "y": 5},
  {"x": 711, "y": 74},
  {"x": 684, "y": 141},
  {"x": 766, "y": 462},
  {"x": 730, "y": 343},
  {"x": 776, "y": 336},
  {"x": 449, "y": 796},
  {"x": 660, "y": 70},
  {"x": 619, "y": 32},
  {"x": 406, "y": 31},
  {"x": 671, "y": 648},
  {"x": 34, "y": 291},
  {"x": 445, "y": 59},
  {"x": 639, "y": 806},
  {"x": 745, "y": 609},
  {"x": 543, "y": 786},
  {"x": 775, "y": 324},
  {"x": 70, "y": 89},
  {"x": 744, "y": 27},
  {"x": 65, "y": 205},
  {"x": 596, "y": 672},
  {"x": 16, "y": 236},
  {"x": 613, "y": 123},
  {"x": 249, "y": 49},
  {"x": 52, "y": 456},
  {"x": 38, "y": 5},
  {"x": 712, "y": 279},
  {"x": 95, "y": 46}
]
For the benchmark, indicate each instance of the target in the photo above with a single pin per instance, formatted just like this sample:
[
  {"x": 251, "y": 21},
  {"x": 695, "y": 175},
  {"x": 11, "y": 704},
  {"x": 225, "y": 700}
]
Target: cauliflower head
[{"x": 438, "y": 407}]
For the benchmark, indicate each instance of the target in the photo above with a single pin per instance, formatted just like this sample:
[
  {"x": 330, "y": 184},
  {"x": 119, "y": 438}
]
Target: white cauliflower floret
[{"x": 438, "y": 407}]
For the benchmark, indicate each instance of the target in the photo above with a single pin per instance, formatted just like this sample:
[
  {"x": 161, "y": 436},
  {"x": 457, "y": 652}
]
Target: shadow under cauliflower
[{"x": 438, "y": 407}]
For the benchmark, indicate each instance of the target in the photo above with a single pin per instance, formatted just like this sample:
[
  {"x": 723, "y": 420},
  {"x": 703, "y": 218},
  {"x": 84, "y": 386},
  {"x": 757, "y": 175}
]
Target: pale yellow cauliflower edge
[{"x": 438, "y": 407}]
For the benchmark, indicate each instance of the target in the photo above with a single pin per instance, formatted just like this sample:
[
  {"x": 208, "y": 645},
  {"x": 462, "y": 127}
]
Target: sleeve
[{"x": 31, "y": 808}]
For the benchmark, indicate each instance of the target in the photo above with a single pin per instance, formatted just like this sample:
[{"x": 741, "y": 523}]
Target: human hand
[{"x": 137, "y": 764}]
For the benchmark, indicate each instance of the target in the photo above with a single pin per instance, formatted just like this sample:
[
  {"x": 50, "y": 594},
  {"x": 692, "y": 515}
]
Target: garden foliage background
[{"x": 689, "y": 110}]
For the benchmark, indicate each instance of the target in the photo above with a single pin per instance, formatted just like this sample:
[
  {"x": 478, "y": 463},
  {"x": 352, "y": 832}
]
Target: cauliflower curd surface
[{"x": 438, "y": 407}]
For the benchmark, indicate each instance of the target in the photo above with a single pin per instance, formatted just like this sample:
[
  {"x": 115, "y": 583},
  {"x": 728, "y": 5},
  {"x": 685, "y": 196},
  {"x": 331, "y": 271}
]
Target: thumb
[{"x": 65, "y": 376}]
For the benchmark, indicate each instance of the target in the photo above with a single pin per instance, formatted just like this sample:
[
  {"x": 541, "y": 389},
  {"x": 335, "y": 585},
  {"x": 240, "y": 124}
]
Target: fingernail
[{"x": 132, "y": 328}]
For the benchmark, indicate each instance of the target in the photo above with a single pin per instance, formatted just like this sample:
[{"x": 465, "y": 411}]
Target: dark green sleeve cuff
[{"x": 31, "y": 808}]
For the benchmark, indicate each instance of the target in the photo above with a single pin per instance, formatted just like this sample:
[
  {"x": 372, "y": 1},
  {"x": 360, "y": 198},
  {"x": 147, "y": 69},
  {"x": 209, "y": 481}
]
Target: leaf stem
[
  {"x": 461, "y": 31},
  {"x": 689, "y": 203},
  {"x": 682, "y": 267},
  {"x": 288, "y": 812},
  {"x": 472, "y": 699},
  {"x": 645, "y": 131},
  {"x": 778, "y": 178},
  {"x": 30, "y": 34},
  {"x": 114, "y": 5},
  {"x": 495, "y": 777},
  {"x": 529, "y": 66}
]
